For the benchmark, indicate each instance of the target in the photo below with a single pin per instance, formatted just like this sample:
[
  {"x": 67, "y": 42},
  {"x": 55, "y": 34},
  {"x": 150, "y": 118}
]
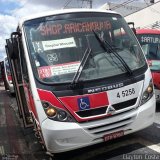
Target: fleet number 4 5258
[{"x": 126, "y": 93}]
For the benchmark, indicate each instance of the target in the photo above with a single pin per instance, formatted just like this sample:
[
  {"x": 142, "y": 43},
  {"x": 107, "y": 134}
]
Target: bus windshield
[
  {"x": 151, "y": 46},
  {"x": 57, "y": 44}
]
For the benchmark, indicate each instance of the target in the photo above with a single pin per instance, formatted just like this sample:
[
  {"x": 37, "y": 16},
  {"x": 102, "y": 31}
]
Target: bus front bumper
[{"x": 65, "y": 136}]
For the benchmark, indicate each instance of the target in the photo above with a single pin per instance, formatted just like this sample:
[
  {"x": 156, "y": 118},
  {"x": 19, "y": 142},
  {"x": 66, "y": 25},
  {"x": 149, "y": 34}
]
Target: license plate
[{"x": 114, "y": 135}]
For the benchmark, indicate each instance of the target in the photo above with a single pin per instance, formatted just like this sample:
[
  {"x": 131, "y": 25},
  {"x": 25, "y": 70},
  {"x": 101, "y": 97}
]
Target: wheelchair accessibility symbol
[{"x": 83, "y": 103}]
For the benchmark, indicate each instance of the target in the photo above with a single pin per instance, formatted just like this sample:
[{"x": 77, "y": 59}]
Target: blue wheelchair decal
[{"x": 83, "y": 103}]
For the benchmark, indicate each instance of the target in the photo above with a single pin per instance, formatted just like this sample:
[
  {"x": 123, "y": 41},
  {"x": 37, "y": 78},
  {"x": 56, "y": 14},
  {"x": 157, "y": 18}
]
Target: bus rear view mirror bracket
[{"x": 132, "y": 28}]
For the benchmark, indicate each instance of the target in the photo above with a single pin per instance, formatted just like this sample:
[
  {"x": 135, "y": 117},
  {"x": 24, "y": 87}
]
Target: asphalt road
[{"x": 19, "y": 144}]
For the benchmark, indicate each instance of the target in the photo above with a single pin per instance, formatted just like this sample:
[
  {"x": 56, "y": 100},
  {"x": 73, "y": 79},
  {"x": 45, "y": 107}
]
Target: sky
[{"x": 11, "y": 11}]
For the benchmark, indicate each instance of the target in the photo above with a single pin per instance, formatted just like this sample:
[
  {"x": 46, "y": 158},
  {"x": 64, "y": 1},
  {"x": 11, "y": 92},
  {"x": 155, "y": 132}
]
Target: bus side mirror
[
  {"x": 132, "y": 28},
  {"x": 9, "y": 48},
  {"x": 12, "y": 45},
  {"x": 15, "y": 50}
]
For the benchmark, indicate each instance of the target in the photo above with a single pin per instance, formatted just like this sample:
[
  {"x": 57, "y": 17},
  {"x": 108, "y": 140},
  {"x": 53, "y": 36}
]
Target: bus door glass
[{"x": 17, "y": 69}]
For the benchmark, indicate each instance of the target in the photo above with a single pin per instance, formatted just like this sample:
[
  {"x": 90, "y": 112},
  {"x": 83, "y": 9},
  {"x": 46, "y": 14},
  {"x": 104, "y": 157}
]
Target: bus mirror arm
[
  {"x": 132, "y": 28},
  {"x": 9, "y": 48}
]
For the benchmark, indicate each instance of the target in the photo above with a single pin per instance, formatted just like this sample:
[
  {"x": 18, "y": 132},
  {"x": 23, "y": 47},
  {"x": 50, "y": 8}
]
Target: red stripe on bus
[
  {"x": 70, "y": 103},
  {"x": 96, "y": 100}
]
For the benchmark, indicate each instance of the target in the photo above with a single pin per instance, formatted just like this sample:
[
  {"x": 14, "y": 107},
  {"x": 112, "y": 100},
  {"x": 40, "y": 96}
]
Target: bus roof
[
  {"x": 57, "y": 12},
  {"x": 147, "y": 31}
]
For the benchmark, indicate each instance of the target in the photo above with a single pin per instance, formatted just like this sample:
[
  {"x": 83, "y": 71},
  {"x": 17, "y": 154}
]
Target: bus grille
[
  {"x": 92, "y": 112},
  {"x": 125, "y": 104},
  {"x": 102, "y": 110},
  {"x": 101, "y": 127},
  {"x": 110, "y": 127}
]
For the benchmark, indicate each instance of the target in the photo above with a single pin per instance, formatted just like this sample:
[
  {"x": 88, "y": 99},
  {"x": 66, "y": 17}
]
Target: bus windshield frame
[{"x": 56, "y": 45}]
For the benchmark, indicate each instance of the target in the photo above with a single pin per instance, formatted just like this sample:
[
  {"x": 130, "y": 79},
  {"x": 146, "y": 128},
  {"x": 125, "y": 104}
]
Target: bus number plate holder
[{"x": 113, "y": 135}]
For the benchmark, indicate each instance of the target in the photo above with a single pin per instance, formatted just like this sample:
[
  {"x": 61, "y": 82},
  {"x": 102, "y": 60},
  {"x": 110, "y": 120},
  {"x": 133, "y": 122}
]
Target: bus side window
[{"x": 158, "y": 52}]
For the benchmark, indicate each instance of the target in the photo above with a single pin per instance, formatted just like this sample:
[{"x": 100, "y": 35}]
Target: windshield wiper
[
  {"x": 106, "y": 46},
  {"x": 81, "y": 66}
]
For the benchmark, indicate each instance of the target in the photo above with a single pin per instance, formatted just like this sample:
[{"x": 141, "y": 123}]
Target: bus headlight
[
  {"x": 62, "y": 115},
  {"x": 147, "y": 94},
  {"x": 56, "y": 114}
]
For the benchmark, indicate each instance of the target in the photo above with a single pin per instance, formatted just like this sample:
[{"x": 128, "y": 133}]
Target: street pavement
[{"x": 17, "y": 143}]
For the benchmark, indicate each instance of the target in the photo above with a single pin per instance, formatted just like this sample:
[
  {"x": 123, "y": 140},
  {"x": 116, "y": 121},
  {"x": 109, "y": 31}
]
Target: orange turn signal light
[
  {"x": 51, "y": 112},
  {"x": 149, "y": 89}
]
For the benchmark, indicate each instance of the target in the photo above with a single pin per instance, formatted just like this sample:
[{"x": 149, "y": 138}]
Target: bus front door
[{"x": 14, "y": 57}]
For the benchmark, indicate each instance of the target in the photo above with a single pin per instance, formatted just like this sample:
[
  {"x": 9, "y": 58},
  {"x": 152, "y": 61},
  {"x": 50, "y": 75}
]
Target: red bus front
[{"x": 150, "y": 42}]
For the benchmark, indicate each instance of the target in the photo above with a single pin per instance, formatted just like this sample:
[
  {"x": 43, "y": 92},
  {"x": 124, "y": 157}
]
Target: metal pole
[{"x": 90, "y": 3}]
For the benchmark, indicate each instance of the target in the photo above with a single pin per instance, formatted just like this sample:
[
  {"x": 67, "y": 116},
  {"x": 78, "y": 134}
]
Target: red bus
[{"x": 150, "y": 42}]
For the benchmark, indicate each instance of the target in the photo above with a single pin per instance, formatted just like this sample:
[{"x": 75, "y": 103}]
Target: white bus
[{"x": 77, "y": 81}]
